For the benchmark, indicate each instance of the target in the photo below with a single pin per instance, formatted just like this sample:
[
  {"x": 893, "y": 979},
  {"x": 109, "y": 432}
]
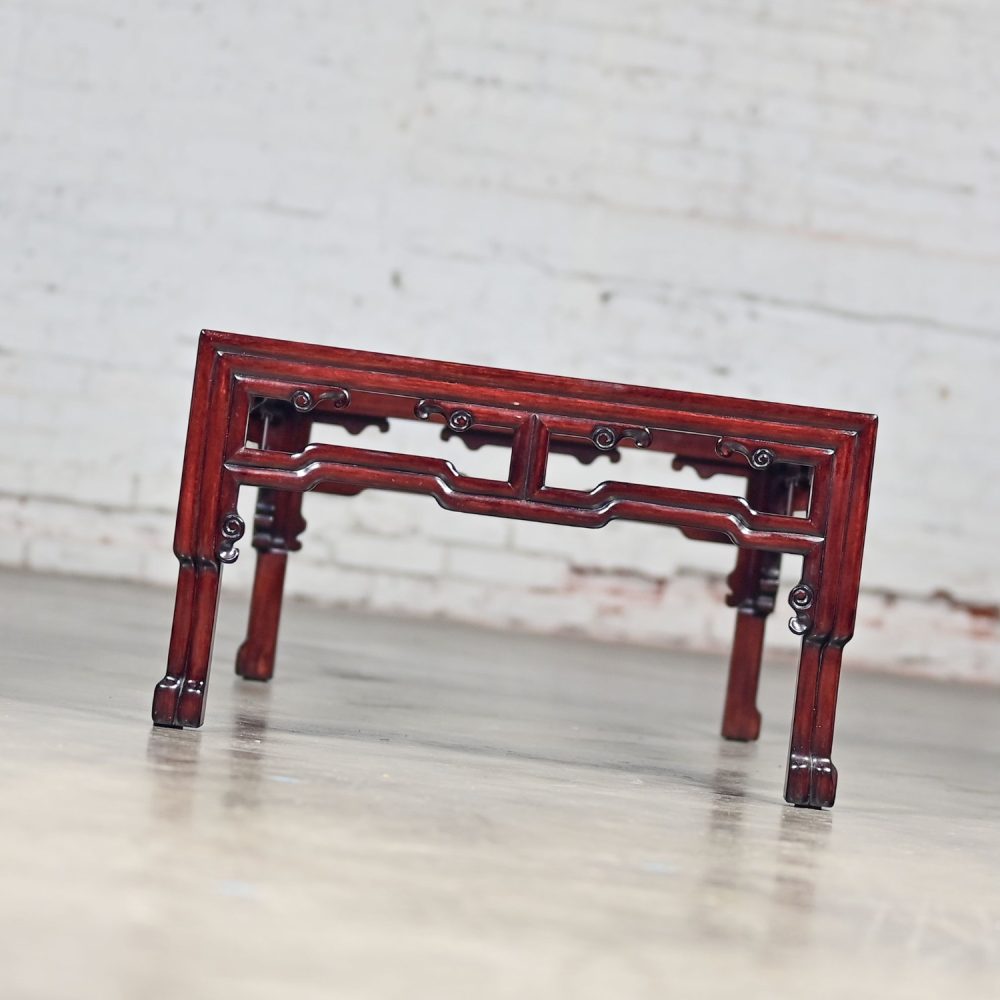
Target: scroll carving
[
  {"x": 759, "y": 458},
  {"x": 606, "y": 438},
  {"x": 458, "y": 420},
  {"x": 801, "y": 599},
  {"x": 231, "y": 529},
  {"x": 303, "y": 400}
]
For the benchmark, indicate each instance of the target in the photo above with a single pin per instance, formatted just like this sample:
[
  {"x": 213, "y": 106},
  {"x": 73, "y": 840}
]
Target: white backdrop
[{"x": 769, "y": 199}]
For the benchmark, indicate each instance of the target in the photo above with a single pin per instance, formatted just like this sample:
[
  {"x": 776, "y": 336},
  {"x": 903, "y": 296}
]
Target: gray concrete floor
[{"x": 418, "y": 809}]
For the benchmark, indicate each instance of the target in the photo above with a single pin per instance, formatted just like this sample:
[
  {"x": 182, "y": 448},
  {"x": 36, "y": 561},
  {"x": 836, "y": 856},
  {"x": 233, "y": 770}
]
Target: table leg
[
  {"x": 278, "y": 524},
  {"x": 276, "y": 527},
  {"x": 208, "y": 527},
  {"x": 753, "y": 587},
  {"x": 755, "y": 584},
  {"x": 825, "y": 603}
]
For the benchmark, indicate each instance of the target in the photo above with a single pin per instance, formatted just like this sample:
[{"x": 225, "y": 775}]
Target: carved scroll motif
[
  {"x": 606, "y": 438},
  {"x": 303, "y": 400},
  {"x": 759, "y": 458},
  {"x": 801, "y": 599},
  {"x": 458, "y": 420},
  {"x": 232, "y": 529}
]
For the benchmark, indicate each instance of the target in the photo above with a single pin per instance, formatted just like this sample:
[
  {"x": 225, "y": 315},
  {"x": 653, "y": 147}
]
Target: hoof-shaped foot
[
  {"x": 191, "y": 705},
  {"x": 165, "y": 697},
  {"x": 812, "y": 782},
  {"x": 252, "y": 665},
  {"x": 742, "y": 726},
  {"x": 179, "y": 703}
]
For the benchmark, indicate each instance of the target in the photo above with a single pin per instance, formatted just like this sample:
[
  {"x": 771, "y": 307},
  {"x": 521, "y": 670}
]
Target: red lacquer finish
[{"x": 253, "y": 407}]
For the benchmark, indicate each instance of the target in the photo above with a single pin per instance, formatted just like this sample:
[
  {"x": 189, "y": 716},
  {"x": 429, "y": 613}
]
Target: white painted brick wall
[{"x": 769, "y": 198}]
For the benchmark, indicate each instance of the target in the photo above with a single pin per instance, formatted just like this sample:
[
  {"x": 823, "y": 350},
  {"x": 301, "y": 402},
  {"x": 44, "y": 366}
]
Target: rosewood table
[{"x": 254, "y": 402}]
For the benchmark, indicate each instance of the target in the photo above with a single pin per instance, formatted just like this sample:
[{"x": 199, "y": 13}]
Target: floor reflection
[
  {"x": 172, "y": 755},
  {"x": 725, "y": 836},
  {"x": 246, "y": 750},
  {"x": 738, "y": 870},
  {"x": 803, "y": 836},
  {"x": 174, "y": 759},
  {"x": 236, "y": 766}
]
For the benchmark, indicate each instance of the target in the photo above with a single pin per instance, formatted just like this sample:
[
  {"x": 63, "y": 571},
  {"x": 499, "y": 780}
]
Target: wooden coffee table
[{"x": 253, "y": 405}]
